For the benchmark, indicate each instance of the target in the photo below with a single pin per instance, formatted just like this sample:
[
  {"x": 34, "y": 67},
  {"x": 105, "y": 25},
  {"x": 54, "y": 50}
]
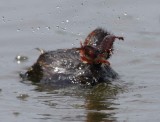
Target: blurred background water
[{"x": 50, "y": 25}]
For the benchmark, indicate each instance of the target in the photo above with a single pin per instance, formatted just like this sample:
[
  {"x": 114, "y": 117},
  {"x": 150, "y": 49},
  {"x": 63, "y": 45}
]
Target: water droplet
[
  {"x": 38, "y": 28},
  {"x": 88, "y": 83},
  {"x": 57, "y": 26},
  {"x": 125, "y": 14},
  {"x": 48, "y": 28},
  {"x": 64, "y": 29},
  {"x": 3, "y": 19},
  {"x": 80, "y": 73},
  {"x": 67, "y": 20},
  {"x": 65, "y": 61},
  {"x": 56, "y": 69},
  {"x": 57, "y": 7},
  {"x": 59, "y": 78},
  {"x": 80, "y": 67},
  {"x": 18, "y": 30},
  {"x": 32, "y": 29},
  {"x": 70, "y": 78},
  {"x": 18, "y": 62}
]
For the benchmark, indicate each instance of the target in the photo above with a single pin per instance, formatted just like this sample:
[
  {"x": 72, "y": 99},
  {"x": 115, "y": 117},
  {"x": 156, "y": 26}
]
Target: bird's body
[{"x": 85, "y": 65}]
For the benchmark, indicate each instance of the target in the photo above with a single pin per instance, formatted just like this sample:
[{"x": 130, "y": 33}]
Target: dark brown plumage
[{"x": 85, "y": 65}]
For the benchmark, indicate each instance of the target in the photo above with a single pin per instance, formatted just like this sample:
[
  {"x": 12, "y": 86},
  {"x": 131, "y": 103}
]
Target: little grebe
[{"x": 85, "y": 65}]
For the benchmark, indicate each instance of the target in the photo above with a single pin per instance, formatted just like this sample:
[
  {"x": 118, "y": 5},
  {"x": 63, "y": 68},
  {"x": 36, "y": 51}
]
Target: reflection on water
[
  {"x": 96, "y": 113},
  {"x": 97, "y": 101}
]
